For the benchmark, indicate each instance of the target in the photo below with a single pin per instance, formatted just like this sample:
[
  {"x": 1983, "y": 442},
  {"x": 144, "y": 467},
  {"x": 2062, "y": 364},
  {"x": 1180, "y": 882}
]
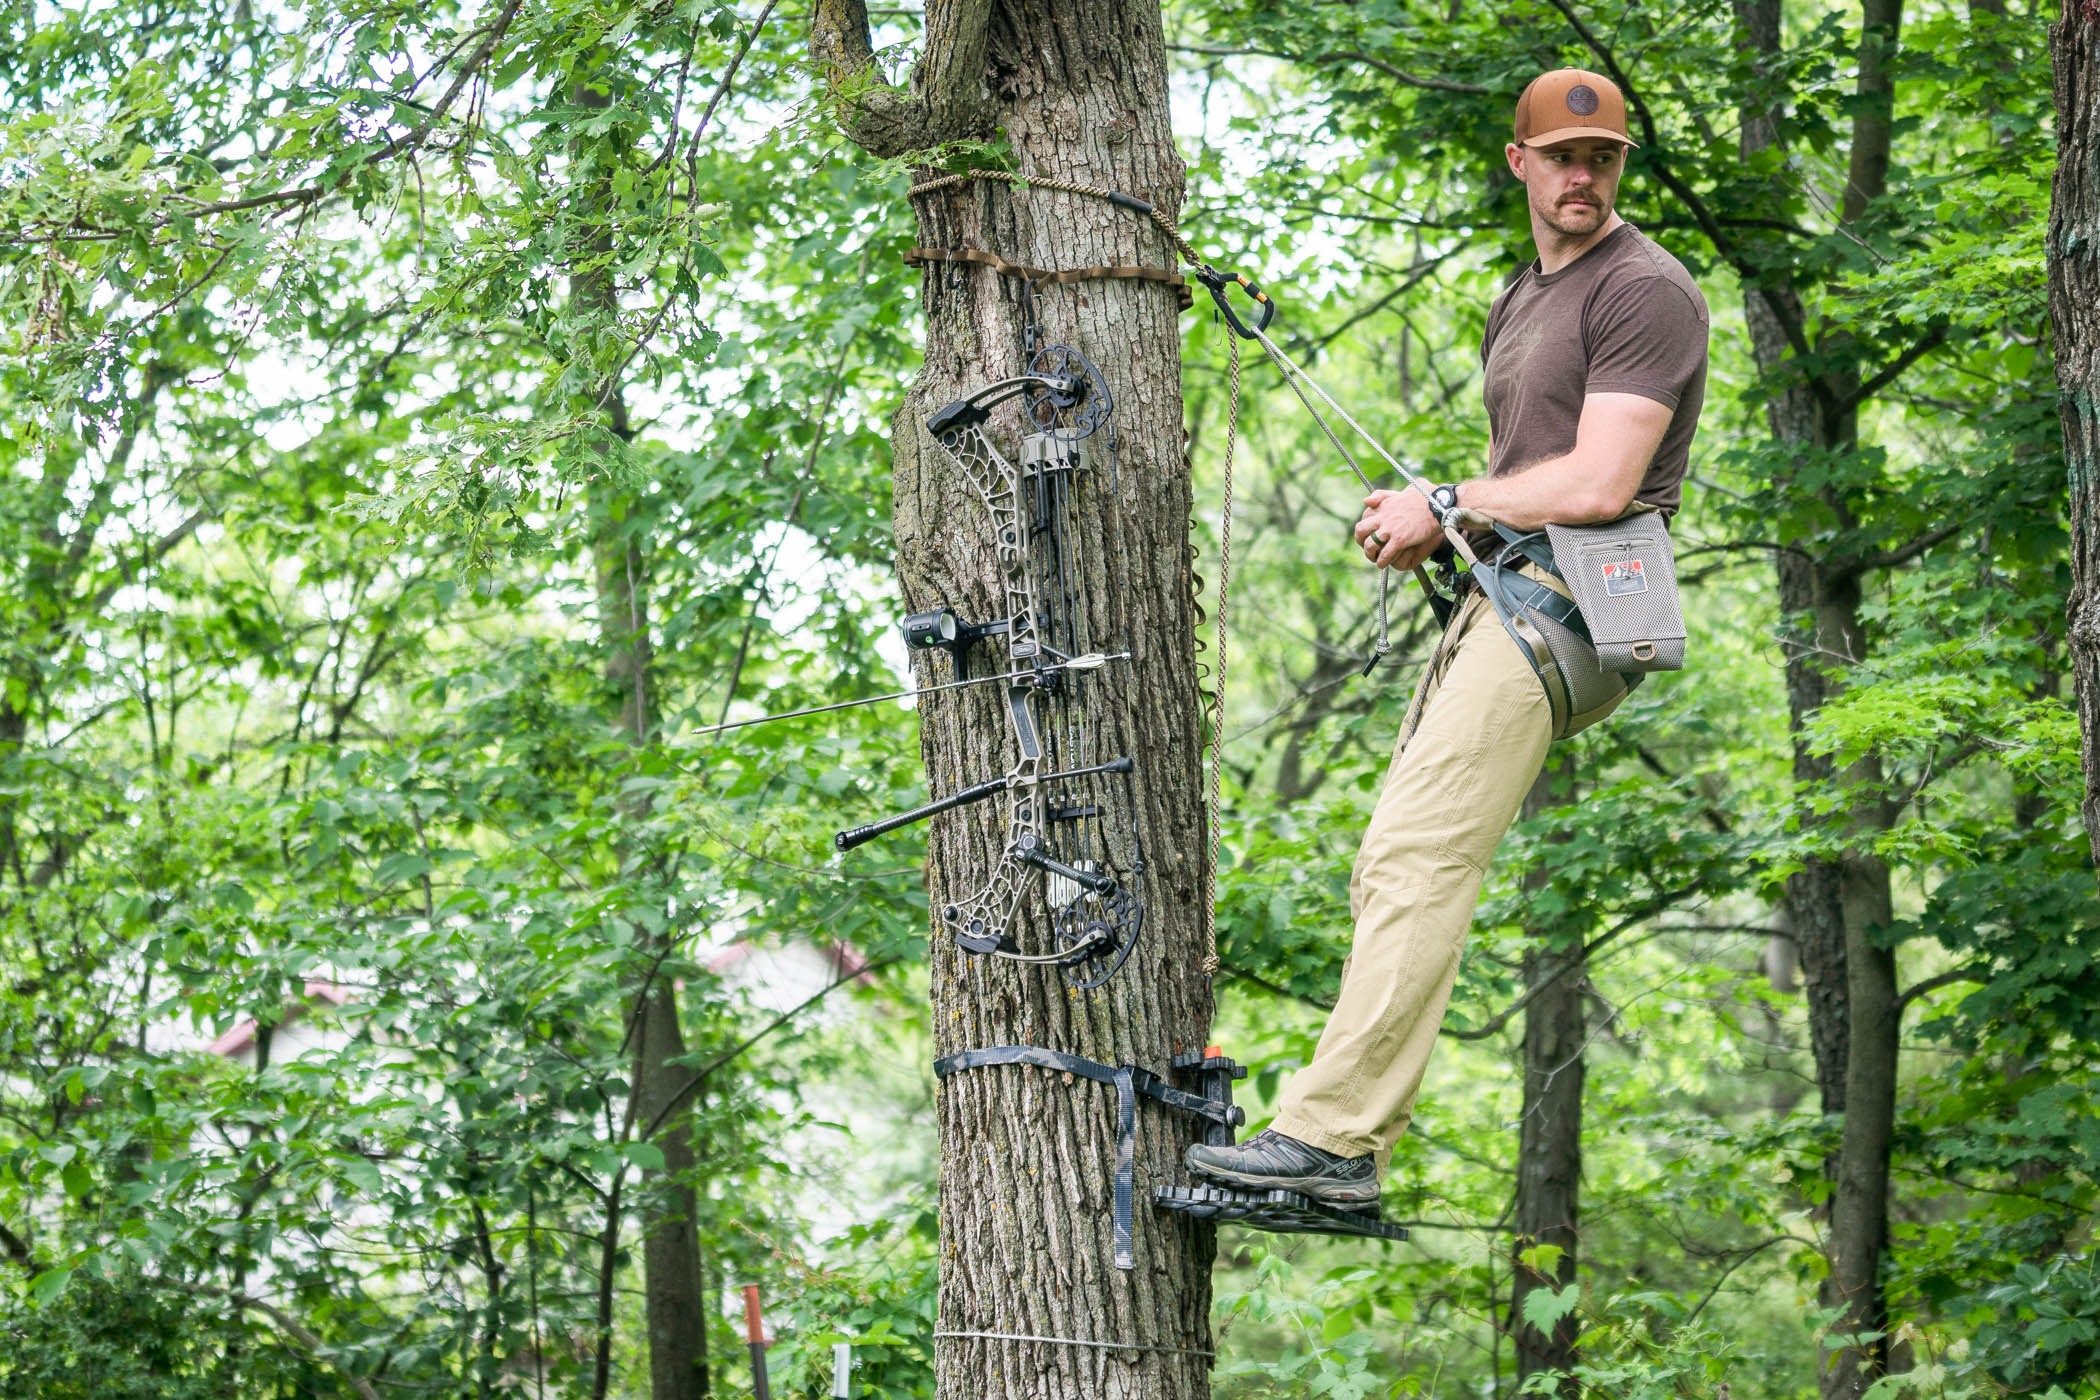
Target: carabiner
[{"x": 1218, "y": 282}]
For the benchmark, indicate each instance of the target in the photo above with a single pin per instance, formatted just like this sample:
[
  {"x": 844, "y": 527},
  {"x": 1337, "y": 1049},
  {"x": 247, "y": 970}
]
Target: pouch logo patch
[{"x": 1622, "y": 576}]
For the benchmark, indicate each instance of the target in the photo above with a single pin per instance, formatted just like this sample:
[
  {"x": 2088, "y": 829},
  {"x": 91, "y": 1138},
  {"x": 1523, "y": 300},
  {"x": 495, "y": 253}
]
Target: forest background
[{"x": 420, "y": 419}]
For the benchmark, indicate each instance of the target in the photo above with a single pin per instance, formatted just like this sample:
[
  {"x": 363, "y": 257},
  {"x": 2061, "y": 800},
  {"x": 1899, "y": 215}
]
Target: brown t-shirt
[{"x": 1624, "y": 318}]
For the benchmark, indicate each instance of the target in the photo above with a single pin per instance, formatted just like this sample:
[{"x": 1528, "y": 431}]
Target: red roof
[{"x": 242, "y": 1036}]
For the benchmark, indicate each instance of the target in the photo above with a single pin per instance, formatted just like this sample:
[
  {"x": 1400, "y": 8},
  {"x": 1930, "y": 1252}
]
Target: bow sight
[
  {"x": 1089, "y": 874},
  {"x": 942, "y": 630}
]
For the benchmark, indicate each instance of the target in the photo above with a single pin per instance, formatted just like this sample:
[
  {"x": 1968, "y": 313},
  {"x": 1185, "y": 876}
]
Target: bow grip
[{"x": 1219, "y": 282}]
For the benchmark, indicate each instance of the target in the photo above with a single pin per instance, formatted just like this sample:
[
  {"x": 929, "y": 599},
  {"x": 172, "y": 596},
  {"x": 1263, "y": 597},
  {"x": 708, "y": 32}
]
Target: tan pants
[{"x": 1475, "y": 740}]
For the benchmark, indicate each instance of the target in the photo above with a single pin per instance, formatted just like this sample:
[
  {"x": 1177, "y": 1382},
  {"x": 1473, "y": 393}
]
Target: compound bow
[{"x": 1095, "y": 907}]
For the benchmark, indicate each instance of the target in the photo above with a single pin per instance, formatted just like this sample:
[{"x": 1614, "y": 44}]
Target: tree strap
[
  {"x": 919, "y": 257},
  {"x": 1129, "y": 1082}
]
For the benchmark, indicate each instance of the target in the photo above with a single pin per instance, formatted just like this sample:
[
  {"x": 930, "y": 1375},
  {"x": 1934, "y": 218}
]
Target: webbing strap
[
  {"x": 1520, "y": 592},
  {"x": 1534, "y": 546},
  {"x": 1144, "y": 1081},
  {"x": 1129, "y": 1082}
]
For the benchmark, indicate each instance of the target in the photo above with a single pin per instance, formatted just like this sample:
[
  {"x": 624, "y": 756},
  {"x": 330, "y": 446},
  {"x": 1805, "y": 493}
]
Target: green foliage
[
  {"x": 354, "y": 359},
  {"x": 1643, "y": 1345},
  {"x": 1332, "y": 1337},
  {"x": 884, "y": 1308},
  {"x": 131, "y": 1337}
]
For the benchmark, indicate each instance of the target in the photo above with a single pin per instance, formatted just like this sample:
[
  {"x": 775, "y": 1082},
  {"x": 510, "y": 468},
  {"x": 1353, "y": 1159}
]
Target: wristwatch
[{"x": 1443, "y": 500}]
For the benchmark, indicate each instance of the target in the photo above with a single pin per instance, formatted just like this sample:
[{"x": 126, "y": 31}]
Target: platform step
[{"x": 1281, "y": 1212}]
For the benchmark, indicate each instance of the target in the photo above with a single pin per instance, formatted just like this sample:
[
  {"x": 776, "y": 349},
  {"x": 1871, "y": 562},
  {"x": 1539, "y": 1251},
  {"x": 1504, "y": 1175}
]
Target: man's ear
[{"x": 1514, "y": 154}]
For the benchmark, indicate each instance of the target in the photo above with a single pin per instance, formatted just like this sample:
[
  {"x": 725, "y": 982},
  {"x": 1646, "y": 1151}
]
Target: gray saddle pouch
[{"x": 1624, "y": 579}]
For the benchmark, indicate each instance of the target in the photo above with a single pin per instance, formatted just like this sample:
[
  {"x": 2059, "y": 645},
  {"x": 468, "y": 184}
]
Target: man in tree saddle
[{"x": 1595, "y": 369}]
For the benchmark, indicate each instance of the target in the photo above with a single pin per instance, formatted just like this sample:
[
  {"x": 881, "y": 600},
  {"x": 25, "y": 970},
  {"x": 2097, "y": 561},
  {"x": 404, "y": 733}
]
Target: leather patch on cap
[{"x": 1582, "y": 99}]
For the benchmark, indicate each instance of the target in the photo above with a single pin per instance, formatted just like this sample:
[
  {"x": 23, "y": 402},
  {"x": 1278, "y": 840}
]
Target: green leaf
[
  {"x": 1543, "y": 1307},
  {"x": 402, "y": 867},
  {"x": 1542, "y": 1259},
  {"x": 46, "y": 1287},
  {"x": 646, "y": 1155}
]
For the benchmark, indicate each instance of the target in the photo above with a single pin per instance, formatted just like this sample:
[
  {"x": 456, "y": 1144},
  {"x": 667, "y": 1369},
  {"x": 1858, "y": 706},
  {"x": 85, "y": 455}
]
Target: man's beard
[{"x": 1569, "y": 220}]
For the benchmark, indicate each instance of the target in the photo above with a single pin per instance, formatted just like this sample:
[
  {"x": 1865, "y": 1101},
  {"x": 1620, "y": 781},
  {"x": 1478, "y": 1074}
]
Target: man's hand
[{"x": 1397, "y": 530}]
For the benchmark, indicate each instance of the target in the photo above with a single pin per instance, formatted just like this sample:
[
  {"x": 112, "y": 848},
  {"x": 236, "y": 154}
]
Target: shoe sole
[{"x": 1316, "y": 1188}]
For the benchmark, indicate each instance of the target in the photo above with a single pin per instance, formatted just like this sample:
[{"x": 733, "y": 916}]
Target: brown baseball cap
[{"x": 1570, "y": 102}]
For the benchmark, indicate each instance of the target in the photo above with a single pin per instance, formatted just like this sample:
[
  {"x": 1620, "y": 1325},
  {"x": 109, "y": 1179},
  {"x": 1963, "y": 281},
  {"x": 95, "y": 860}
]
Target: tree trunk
[
  {"x": 1813, "y": 902},
  {"x": 673, "y": 1304},
  {"x": 1549, "y": 1153},
  {"x": 675, "y": 1297},
  {"x": 1835, "y": 905},
  {"x": 2074, "y": 314},
  {"x": 1027, "y": 1156}
]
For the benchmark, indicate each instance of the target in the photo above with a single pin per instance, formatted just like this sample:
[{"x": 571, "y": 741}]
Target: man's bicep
[{"x": 1618, "y": 435}]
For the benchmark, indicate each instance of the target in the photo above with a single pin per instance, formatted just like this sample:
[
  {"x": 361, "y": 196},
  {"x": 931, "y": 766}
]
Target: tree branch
[
  {"x": 1903, "y": 554},
  {"x": 1275, "y": 988},
  {"x": 1406, "y": 284},
  {"x": 1502, "y": 1018},
  {"x": 608, "y": 1260},
  {"x": 291, "y": 1327},
  {"x": 413, "y": 140},
  {"x": 1978, "y": 975},
  {"x": 1742, "y": 1257},
  {"x": 671, "y": 1104},
  {"x": 729, "y": 74},
  {"x": 950, "y": 104},
  {"x": 17, "y": 1249},
  {"x": 152, "y": 554},
  {"x": 1335, "y": 56},
  {"x": 1931, "y": 341}
]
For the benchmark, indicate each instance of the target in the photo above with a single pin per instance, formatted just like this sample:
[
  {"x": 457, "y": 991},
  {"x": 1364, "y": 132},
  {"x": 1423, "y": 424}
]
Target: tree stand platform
[{"x": 1280, "y": 1212}]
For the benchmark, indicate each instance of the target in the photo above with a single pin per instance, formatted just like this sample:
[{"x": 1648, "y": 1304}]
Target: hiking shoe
[{"x": 1269, "y": 1161}]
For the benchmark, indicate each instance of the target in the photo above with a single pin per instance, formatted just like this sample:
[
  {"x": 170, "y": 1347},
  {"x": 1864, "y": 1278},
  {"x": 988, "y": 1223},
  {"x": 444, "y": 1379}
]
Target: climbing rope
[
  {"x": 1217, "y": 698},
  {"x": 1164, "y": 220}
]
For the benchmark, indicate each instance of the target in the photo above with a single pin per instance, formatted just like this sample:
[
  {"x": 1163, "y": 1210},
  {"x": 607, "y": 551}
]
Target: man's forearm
[
  {"x": 1614, "y": 444},
  {"x": 1558, "y": 491}
]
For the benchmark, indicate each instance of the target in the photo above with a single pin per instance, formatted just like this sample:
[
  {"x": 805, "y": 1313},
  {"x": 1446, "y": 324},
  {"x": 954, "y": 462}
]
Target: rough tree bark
[
  {"x": 1836, "y": 903},
  {"x": 1549, "y": 1152},
  {"x": 2074, "y": 314},
  {"x": 1080, "y": 92},
  {"x": 673, "y": 1302}
]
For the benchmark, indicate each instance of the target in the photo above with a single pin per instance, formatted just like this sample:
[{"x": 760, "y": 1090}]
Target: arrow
[{"x": 1093, "y": 660}]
